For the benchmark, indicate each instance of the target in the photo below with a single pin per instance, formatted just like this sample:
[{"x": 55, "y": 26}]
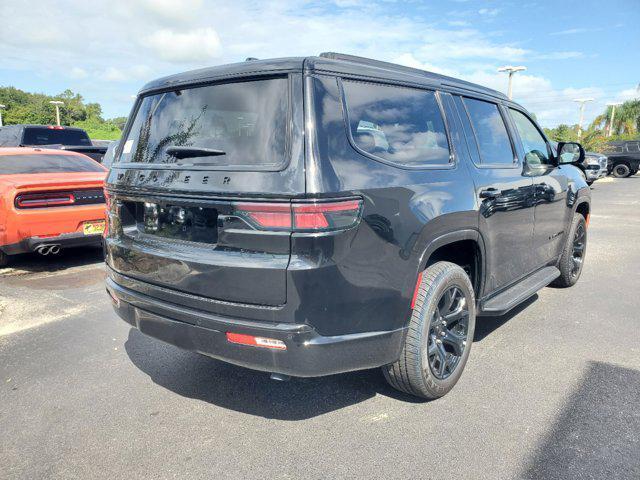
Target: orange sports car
[{"x": 49, "y": 199}]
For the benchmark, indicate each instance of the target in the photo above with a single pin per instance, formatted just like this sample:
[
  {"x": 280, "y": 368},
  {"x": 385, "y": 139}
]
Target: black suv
[
  {"x": 623, "y": 158},
  {"x": 51, "y": 136},
  {"x": 310, "y": 216}
]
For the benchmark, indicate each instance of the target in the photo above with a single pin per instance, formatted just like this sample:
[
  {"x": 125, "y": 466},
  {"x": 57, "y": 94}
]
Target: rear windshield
[
  {"x": 245, "y": 123},
  {"x": 49, "y": 163},
  {"x": 53, "y": 136}
]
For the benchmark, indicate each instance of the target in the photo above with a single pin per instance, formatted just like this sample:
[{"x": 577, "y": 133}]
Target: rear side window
[
  {"x": 490, "y": 132},
  {"x": 243, "y": 123},
  {"x": 633, "y": 147},
  {"x": 54, "y": 136},
  {"x": 397, "y": 124},
  {"x": 46, "y": 163}
]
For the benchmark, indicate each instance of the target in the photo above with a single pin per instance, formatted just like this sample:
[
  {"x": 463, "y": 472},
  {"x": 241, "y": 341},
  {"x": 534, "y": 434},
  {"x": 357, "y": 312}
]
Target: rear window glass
[
  {"x": 52, "y": 136},
  {"x": 244, "y": 122},
  {"x": 402, "y": 125},
  {"x": 490, "y": 131},
  {"x": 46, "y": 163}
]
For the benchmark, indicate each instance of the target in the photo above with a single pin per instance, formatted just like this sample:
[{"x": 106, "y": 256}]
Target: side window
[
  {"x": 397, "y": 124},
  {"x": 491, "y": 132},
  {"x": 535, "y": 147},
  {"x": 633, "y": 147}
]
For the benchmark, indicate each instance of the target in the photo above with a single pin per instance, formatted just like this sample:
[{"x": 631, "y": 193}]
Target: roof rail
[
  {"x": 370, "y": 62},
  {"x": 450, "y": 81}
]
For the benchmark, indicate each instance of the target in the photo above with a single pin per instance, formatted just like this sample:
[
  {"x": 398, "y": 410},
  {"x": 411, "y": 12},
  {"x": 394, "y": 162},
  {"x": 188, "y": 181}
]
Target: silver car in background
[{"x": 595, "y": 166}]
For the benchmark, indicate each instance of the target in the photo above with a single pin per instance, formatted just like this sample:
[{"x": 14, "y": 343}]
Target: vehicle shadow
[
  {"x": 596, "y": 435},
  {"x": 67, "y": 258},
  {"x": 248, "y": 391},
  {"x": 487, "y": 325}
]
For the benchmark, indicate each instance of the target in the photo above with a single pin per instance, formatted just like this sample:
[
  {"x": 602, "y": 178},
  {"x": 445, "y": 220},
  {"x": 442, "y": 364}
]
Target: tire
[
  {"x": 4, "y": 259},
  {"x": 570, "y": 270},
  {"x": 621, "y": 170},
  {"x": 444, "y": 288}
]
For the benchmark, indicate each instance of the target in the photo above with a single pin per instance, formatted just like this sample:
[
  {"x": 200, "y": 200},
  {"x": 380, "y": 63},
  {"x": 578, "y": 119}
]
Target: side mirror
[{"x": 570, "y": 152}]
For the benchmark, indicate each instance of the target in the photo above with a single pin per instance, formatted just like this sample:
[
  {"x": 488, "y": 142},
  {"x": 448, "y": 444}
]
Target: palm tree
[{"x": 627, "y": 118}]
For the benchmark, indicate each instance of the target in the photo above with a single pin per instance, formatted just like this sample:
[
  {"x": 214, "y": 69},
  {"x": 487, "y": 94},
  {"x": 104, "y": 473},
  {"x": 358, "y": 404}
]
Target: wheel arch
[
  {"x": 584, "y": 209},
  {"x": 457, "y": 247}
]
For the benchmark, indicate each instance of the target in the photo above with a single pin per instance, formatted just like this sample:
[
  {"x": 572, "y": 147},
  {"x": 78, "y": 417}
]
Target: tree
[
  {"x": 626, "y": 120},
  {"x": 26, "y": 107}
]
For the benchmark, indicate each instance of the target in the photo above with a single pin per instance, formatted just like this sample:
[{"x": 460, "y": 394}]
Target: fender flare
[{"x": 452, "y": 237}]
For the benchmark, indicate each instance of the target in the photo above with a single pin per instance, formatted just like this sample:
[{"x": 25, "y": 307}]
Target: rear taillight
[
  {"x": 299, "y": 216},
  {"x": 40, "y": 200}
]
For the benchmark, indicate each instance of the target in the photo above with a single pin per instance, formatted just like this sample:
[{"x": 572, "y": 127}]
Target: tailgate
[
  {"x": 198, "y": 247},
  {"x": 190, "y": 158}
]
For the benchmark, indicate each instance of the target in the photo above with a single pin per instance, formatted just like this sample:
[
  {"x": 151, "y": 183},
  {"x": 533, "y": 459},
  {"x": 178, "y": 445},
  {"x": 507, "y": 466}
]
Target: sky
[{"x": 107, "y": 50}]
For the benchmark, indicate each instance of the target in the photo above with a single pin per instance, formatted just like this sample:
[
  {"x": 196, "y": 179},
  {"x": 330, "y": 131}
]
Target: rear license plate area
[{"x": 186, "y": 223}]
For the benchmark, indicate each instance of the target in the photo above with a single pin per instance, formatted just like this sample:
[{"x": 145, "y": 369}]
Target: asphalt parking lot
[{"x": 550, "y": 391}]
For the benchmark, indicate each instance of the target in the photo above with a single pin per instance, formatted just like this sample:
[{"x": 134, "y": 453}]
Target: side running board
[{"x": 518, "y": 293}]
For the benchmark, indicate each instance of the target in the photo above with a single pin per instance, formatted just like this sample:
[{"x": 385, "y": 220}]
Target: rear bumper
[
  {"x": 308, "y": 354},
  {"x": 66, "y": 240}
]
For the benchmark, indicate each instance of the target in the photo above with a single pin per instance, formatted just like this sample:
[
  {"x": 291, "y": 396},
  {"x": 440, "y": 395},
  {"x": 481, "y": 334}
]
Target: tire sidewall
[
  {"x": 453, "y": 277},
  {"x": 625, "y": 169}
]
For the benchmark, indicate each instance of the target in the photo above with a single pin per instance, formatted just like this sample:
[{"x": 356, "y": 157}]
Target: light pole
[
  {"x": 511, "y": 69},
  {"x": 57, "y": 103},
  {"x": 1, "y": 107},
  {"x": 613, "y": 106},
  {"x": 581, "y": 101}
]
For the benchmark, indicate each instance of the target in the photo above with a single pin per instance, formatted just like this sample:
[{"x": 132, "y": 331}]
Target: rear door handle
[{"x": 490, "y": 193}]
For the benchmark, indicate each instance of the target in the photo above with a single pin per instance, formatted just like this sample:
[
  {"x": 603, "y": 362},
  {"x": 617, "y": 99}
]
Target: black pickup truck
[
  {"x": 624, "y": 158},
  {"x": 51, "y": 136}
]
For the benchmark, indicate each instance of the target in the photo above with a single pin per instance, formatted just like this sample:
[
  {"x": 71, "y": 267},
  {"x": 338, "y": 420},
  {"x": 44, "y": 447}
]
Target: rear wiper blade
[{"x": 193, "y": 152}]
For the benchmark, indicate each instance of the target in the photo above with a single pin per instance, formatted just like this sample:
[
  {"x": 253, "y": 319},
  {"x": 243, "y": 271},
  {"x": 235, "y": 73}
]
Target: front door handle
[{"x": 490, "y": 193}]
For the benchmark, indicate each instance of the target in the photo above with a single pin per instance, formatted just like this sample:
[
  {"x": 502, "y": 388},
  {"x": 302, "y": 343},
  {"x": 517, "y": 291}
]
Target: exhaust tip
[{"x": 54, "y": 250}]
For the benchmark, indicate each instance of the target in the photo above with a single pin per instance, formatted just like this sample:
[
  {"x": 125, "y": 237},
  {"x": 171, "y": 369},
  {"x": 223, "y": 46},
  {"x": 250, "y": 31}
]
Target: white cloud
[
  {"x": 200, "y": 44},
  {"x": 489, "y": 12},
  {"x": 124, "y": 43},
  {"x": 113, "y": 74},
  {"x": 559, "y": 55},
  {"x": 629, "y": 94},
  {"x": 78, "y": 73},
  {"x": 570, "y": 31},
  {"x": 135, "y": 72},
  {"x": 165, "y": 12}
]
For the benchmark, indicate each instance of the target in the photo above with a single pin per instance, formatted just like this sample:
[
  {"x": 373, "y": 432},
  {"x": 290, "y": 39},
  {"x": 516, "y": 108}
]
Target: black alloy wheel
[
  {"x": 448, "y": 333},
  {"x": 579, "y": 244}
]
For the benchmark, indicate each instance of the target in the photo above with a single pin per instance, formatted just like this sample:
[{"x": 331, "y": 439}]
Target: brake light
[
  {"x": 55, "y": 127},
  {"x": 266, "y": 215},
  {"x": 40, "y": 200},
  {"x": 263, "y": 342},
  {"x": 301, "y": 217}
]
